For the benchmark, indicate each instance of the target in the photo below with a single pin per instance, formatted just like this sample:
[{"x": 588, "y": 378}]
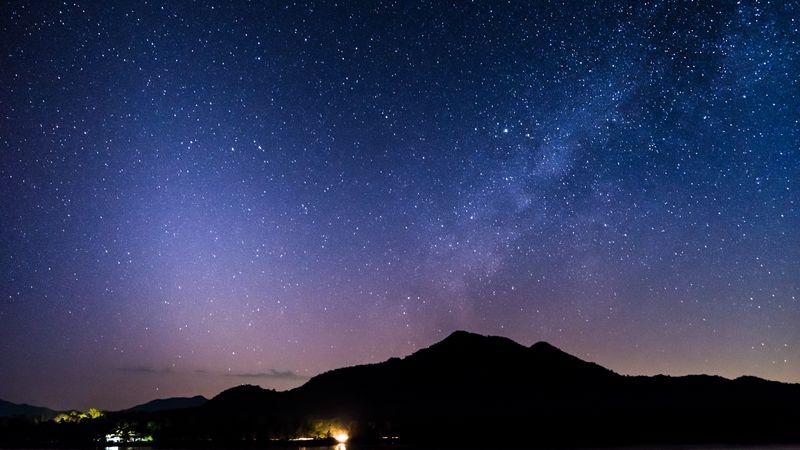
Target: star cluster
[{"x": 202, "y": 194}]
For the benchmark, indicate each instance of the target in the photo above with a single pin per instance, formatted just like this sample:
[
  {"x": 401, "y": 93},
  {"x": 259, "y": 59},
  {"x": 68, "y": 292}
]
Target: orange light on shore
[{"x": 341, "y": 437}]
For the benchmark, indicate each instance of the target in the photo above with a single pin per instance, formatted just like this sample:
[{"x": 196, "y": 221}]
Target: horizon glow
[{"x": 201, "y": 195}]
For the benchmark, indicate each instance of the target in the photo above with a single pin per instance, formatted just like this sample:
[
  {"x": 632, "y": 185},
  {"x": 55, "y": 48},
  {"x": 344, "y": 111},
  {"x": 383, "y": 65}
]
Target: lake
[{"x": 410, "y": 447}]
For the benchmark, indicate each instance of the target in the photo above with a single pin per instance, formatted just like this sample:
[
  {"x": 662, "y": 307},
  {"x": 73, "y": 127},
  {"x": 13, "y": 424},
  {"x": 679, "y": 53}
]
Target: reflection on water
[
  {"x": 653, "y": 447},
  {"x": 342, "y": 446},
  {"x": 339, "y": 446}
]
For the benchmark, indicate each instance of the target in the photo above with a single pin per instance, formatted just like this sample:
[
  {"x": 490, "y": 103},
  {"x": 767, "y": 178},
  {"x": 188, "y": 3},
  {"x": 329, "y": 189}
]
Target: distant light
[{"x": 341, "y": 437}]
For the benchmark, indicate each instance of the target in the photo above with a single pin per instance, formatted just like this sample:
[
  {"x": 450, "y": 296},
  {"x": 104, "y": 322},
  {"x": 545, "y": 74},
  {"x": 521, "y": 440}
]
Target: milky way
[{"x": 197, "y": 195}]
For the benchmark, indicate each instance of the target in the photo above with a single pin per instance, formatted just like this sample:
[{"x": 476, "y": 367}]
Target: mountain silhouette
[
  {"x": 470, "y": 389},
  {"x": 8, "y": 409},
  {"x": 167, "y": 404},
  {"x": 511, "y": 393}
]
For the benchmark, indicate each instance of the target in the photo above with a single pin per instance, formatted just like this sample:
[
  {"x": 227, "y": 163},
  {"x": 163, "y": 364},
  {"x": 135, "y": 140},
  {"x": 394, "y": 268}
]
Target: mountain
[
  {"x": 167, "y": 404},
  {"x": 8, "y": 409},
  {"x": 473, "y": 388},
  {"x": 466, "y": 390}
]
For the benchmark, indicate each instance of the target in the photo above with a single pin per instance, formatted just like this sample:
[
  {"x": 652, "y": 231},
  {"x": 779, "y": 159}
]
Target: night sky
[{"x": 196, "y": 195}]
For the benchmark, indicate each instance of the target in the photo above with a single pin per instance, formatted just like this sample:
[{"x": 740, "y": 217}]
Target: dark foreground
[
  {"x": 465, "y": 391},
  {"x": 408, "y": 447}
]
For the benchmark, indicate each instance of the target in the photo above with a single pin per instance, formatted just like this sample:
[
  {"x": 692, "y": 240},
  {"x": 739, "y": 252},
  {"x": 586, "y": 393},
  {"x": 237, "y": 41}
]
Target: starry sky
[{"x": 196, "y": 195}]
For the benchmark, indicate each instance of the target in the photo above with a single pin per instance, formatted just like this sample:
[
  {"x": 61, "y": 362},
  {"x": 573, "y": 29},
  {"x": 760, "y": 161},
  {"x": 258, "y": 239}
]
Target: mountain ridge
[
  {"x": 474, "y": 389},
  {"x": 459, "y": 337},
  {"x": 167, "y": 404},
  {"x": 9, "y": 409}
]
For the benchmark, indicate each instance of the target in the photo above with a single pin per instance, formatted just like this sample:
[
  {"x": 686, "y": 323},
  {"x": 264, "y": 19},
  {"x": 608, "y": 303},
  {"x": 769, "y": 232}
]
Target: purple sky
[{"x": 199, "y": 195}]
